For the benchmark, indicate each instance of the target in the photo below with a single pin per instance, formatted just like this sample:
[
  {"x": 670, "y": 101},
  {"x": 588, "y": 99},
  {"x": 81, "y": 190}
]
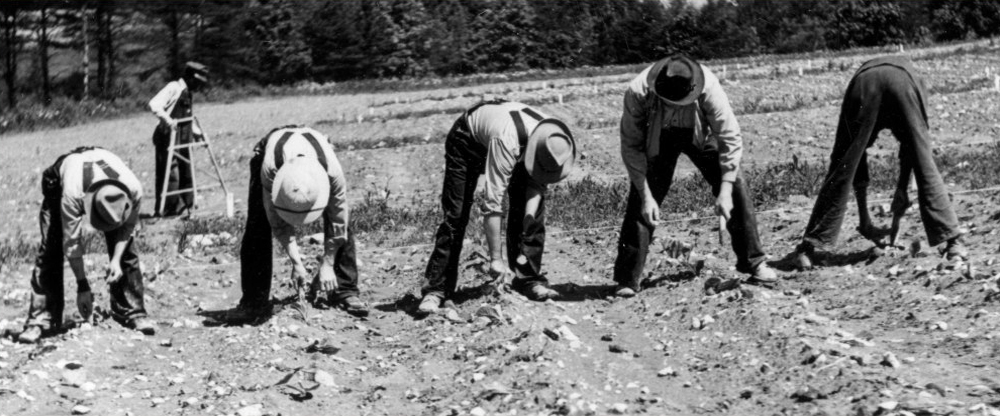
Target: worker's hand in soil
[
  {"x": 724, "y": 202},
  {"x": 327, "y": 278},
  {"x": 877, "y": 235},
  {"x": 650, "y": 211},
  {"x": 85, "y": 304},
  {"x": 114, "y": 272},
  {"x": 900, "y": 202},
  {"x": 301, "y": 278},
  {"x": 897, "y": 220},
  {"x": 499, "y": 271}
]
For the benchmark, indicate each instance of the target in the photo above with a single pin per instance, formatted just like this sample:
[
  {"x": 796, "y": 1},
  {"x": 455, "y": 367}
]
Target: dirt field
[{"x": 897, "y": 332}]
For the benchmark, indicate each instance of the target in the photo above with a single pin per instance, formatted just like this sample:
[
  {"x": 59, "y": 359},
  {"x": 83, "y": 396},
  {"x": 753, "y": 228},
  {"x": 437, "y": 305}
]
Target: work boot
[
  {"x": 30, "y": 335},
  {"x": 431, "y": 303},
  {"x": 354, "y": 306},
  {"x": 802, "y": 259},
  {"x": 144, "y": 325},
  {"x": 764, "y": 274},
  {"x": 244, "y": 314},
  {"x": 540, "y": 292},
  {"x": 625, "y": 292},
  {"x": 955, "y": 250}
]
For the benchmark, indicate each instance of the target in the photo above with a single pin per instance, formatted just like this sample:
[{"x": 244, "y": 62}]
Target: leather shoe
[
  {"x": 354, "y": 306},
  {"x": 144, "y": 325}
]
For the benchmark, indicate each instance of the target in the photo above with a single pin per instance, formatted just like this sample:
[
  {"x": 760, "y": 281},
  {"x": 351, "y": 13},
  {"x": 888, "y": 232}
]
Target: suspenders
[
  {"x": 522, "y": 133},
  {"x": 279, "y": 154},
  {"x": 88, "y": 173}
]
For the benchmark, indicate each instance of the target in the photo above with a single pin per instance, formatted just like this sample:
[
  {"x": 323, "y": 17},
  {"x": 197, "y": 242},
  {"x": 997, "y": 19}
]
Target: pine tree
[
  {"x": 565, "y": 32},
  {"x": 448, "y": 43},
  {"x": 412, "y": 38},
  {"x": 720, "y": 33},
  {"x": 503, "y": 36}
]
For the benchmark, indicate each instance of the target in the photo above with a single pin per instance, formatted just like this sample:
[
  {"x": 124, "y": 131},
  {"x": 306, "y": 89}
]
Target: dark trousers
[
  {"x": 879, "y": 98},
  {"x": 636, "y": 234},
  {"x": 47, "y": 298},
  {"x": 257, "y": 249},
  {"x": 179, "y": 171},
  {"x": 464, "y": 161}
]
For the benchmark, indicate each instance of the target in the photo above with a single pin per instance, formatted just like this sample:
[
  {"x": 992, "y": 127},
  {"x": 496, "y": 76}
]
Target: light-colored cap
[{"x": 301, "y": 191}]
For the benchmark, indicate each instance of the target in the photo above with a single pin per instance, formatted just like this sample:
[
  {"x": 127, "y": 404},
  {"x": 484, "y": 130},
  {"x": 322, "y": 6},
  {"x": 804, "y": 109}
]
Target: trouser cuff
[{"x": 750, "y": 265}]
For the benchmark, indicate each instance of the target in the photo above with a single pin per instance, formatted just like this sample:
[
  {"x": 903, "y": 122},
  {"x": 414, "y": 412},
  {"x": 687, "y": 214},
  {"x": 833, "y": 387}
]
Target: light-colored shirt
[
  {"x": 163, "y": 102},
  {"x": 298, "y": 145},
  {"x": 72, "y": 175},
  {"x": 493, "y": 126},
  {"x": 710, "y": 116}
]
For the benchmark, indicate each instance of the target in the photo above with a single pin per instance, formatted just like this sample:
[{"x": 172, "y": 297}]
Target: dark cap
[
  {"x": 197, "y": 70},
  {"x": 677, "y": 79}
]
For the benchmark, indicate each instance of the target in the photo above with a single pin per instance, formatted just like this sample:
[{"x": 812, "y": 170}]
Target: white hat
[{"x": 301, "y": 191}]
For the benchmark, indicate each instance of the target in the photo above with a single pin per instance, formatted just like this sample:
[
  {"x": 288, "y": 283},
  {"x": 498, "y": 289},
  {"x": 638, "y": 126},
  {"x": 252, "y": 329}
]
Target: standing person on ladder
[{"x": 174, "y": 102}]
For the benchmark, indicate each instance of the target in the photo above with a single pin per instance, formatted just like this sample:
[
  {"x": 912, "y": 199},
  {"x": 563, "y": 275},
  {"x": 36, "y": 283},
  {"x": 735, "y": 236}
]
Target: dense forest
[{"x": 61, "y": 51}]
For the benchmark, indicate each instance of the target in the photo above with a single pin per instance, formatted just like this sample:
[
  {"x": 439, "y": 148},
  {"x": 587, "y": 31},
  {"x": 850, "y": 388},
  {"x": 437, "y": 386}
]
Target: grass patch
[{"x": 380, "y": 221}]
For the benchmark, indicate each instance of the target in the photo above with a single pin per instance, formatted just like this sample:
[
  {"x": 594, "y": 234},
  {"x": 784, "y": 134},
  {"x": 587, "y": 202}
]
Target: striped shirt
[
  {"x": 493, "y": 126},
  {"x": 77, "y": 173},
  {"x": 304, "y": 142}
]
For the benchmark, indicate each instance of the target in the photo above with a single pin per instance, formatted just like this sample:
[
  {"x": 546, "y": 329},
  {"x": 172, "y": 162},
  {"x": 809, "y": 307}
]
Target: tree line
[{"x": 109, "y": 49}]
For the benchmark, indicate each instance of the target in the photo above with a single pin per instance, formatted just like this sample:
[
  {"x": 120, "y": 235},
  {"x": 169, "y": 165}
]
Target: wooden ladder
[{"x": 194, "y": 144}]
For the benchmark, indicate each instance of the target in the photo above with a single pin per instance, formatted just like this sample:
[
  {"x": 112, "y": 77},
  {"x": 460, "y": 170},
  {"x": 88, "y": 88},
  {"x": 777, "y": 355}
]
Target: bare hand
[
  {"x": 171, "y": 122},
  {"x": 897, "y": 220},
  {"x": 114, "y": 272},
  {"x": 85, "y": 304},
  {"x": 499, "y": 270},
  {"x": 327, "y": 278},
  {"x": 874, "y": 234},
  {"x": 299, "y": 277},
  {"x": 650, "y": 211},
  {"x": 724, "y": 205},
  {"x": 900, "y": 202}
]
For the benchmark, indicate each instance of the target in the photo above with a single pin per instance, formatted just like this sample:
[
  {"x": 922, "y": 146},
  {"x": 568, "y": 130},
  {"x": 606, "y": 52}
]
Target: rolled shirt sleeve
[
  {"x": 282, "y": 231},
  {"x": 500, "y": 161},
  {"x": 634, "y": 123},
  {"x": 164, "y": 100},
  {"x": 335, "y": 233},
  {"x": 72, "y": 224},
  {"x": 725, "y": 128}
]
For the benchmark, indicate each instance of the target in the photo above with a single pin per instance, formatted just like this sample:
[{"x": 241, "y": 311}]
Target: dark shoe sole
[{"x": 356, "y": 312}]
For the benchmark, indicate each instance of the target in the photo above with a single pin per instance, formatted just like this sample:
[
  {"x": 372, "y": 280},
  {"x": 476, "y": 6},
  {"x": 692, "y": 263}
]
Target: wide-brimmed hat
[
  {"x": 677, "y": 79},
  {"x": 197, "y": 70},
  {"x": 108, "y": 204},
  {"x": 301, "y": 190},
  {"x": 550, "y": 152}
]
